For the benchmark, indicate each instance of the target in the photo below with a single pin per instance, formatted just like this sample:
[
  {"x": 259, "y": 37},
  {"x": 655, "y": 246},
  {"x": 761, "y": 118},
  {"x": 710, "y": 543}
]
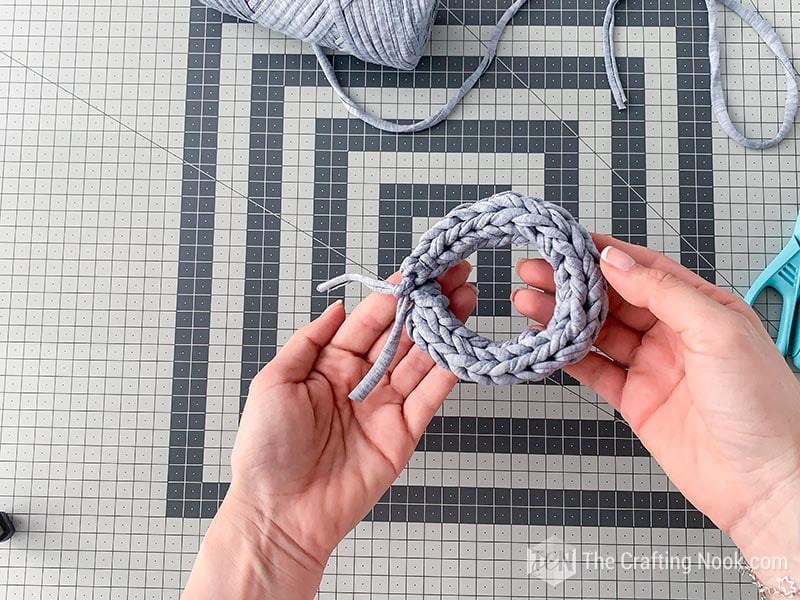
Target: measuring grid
[{"x": 175, "y": 183}]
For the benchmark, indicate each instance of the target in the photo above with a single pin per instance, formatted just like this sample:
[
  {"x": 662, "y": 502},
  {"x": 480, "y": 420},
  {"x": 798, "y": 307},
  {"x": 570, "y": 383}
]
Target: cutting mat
[{"x": 174, "y": 185}]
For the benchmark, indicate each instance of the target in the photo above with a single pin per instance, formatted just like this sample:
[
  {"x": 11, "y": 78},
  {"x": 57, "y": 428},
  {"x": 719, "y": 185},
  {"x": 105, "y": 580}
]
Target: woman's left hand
[{"x": 308, "y": 462}]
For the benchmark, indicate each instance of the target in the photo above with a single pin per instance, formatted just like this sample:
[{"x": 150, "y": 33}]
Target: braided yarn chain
[{"x": 504, "y": 219}]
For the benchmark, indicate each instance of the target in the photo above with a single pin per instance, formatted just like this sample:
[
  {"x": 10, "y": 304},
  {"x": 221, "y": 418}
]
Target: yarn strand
[
  {"x": 767, "y": 34},
  {"x": 381, "y": 364},
  {"x": 359, "y": 112}
]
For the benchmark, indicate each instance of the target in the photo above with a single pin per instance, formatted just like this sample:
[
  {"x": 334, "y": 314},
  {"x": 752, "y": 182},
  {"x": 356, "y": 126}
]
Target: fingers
[
  {"x": 538, "y": 273},
  {"x": 602, "y": 375},
  {"x": 615, "y": 339},
  {"x": 534, "y": 304},
  {"x": 656, "y": 260},
  {"x": 371, "y": 318},
  {"x": 425, "y": 391},
  {"x": 454, "y": 277},
  {"x": 416, "y": 364},
  {"x": 425, "y": 384},
  {"x": 618, "y": 341},
  {"x": 671, "y": 299},
  {"x": 367, "y": 321},
  {"x": 425, "y": 400},
  {"x": 451, "y": 280},
  {"x": 297, "y": 357}
]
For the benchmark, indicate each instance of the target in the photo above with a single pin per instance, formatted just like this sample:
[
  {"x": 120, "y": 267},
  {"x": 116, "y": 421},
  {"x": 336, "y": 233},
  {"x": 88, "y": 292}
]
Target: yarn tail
[
  {"x": 444, "y": 111},
  {"x": 381, "y": 364},
  {"x": 767, "y": 34},
  {"x": 770, "y": 37},
  {"x": 612, "y": 74}
]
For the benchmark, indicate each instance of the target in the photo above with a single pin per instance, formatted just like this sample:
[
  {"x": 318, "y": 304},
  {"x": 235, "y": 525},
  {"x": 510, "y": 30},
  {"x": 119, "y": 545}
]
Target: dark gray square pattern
[{"x": 334, "y": 140}]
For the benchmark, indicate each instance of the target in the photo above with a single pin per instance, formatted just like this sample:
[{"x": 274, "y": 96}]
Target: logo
[{"x": 553, "y": 561}]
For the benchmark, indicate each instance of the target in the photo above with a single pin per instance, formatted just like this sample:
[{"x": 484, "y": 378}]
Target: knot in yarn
[{"x": 507, "y": 218}]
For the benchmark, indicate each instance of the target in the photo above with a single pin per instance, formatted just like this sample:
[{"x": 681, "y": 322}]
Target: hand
[
  {"x": 308, "y": 462},
  {"x": 692, "y": 370}
]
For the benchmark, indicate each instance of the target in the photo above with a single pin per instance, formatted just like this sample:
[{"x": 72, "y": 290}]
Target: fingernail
[
  {"x": 469, "y": 264},
  {"x": 332, "y": 306},
  {"x": 475, "y": 289},
  {"x": 617, "y": 258},
  {"x": 514, "y": 293},
  {"x": 519, "y": 264}
]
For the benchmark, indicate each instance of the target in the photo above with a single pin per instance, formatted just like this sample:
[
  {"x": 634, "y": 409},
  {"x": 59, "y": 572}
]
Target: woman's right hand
[{"x": 702, "y": 385}]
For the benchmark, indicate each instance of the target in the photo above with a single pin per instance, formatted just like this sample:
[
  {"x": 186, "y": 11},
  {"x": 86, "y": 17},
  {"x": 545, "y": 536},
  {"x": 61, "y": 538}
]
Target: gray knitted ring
[{"x": 507, "y": 218}]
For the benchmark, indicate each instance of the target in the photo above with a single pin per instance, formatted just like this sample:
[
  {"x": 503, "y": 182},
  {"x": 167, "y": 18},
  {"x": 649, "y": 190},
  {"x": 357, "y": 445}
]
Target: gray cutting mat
[{"x": 175, "y": 183}]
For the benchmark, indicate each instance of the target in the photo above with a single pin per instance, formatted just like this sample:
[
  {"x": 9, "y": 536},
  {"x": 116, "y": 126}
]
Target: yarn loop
[
  {"x": 767, "y": 34},
  {"x": 507, "y": 218}
]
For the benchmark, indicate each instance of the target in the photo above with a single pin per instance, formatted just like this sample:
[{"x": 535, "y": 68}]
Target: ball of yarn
[
  {"x": 395, "y": 33},
  {"x": 507, "y": 218},
  {"x": 390, "y": 32}
]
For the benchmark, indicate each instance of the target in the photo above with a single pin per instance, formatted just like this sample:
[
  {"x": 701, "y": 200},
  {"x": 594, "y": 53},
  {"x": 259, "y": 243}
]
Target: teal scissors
[{"x": 782, "y": 275}]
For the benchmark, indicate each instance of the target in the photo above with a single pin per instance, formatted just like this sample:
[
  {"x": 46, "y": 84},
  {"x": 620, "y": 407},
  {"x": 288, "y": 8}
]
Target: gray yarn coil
[
  {"x": 764, "y": 30},
  {"x": 504, "y": 219}
]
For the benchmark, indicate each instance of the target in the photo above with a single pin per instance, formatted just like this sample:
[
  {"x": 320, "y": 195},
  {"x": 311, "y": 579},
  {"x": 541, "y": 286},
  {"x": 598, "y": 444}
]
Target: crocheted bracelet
[{"x": 503, "y": 219}]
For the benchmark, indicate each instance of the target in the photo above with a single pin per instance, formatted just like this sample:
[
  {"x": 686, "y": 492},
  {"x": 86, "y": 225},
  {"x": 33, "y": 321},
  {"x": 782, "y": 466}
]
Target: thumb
[{"x": 675, "y": 302}]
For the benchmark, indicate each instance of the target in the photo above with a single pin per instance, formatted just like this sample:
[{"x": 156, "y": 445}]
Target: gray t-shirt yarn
[
  {"x": 767, "y": 34},
  {"x": 395, "y": 33},
  {"x": 507, "y": 218}
]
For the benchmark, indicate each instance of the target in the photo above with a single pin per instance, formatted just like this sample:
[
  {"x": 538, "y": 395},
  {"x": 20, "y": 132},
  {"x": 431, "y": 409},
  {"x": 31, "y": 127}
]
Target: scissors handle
[
  {"x": 796, "y": 345},
  {"x": 781, "y": 275}
]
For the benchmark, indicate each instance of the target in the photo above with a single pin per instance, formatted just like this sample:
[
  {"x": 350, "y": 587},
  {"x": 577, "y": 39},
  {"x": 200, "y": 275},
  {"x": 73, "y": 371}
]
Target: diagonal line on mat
[
  {"x": 174, "y": 154},
  {"x": 597, "y": 155},
  {"x": 601, "y": 407}
]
